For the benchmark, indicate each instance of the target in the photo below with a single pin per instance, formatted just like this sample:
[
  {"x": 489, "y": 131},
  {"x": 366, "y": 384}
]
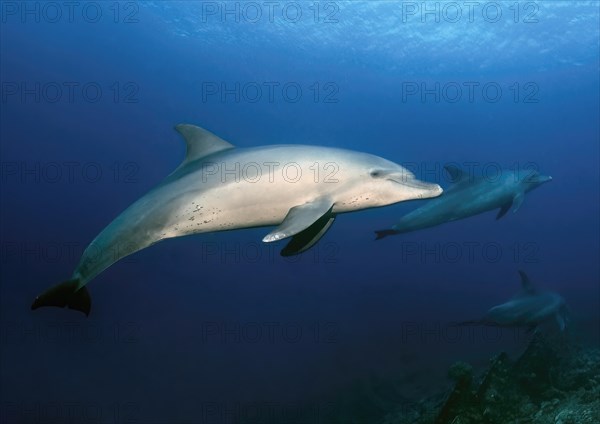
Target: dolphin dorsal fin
[
  {"x": 456, "y": 174},
  {"x": 526, "y": 283},
  {"x": 200, "y": 142}
]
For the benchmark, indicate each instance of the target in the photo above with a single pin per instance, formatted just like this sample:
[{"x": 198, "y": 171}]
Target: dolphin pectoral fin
[
  {"x": 300, "y": 218},
  {"x": 65, "y": 294},
  {"x": 306, "y": 239},
  {"x": 518, "y": 201},
  {"x": 505, "y": 208}
]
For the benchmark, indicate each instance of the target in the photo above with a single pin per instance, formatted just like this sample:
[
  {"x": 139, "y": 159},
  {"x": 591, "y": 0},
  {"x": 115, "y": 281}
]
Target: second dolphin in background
[
  {"x": 470, "y": 196},
  {"x": 529, "y": 307}
]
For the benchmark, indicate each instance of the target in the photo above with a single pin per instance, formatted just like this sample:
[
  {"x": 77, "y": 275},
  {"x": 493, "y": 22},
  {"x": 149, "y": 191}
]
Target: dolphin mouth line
[{"x": 414, "y": 183}]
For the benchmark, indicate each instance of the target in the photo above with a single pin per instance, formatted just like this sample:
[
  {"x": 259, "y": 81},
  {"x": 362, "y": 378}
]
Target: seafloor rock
[{"x": 551, "y": 383}]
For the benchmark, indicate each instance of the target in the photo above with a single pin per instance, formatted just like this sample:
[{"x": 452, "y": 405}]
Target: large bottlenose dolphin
[
  {"x": 470, "y": 196},
  {"x": 218, "y": 187},
  {"x": 530, "y": 307}
]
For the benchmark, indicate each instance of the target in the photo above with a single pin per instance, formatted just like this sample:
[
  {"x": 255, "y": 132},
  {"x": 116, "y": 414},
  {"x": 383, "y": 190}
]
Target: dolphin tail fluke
[
  {"x": 384, "y": 233},
  {"x": 66, "y": 294}
]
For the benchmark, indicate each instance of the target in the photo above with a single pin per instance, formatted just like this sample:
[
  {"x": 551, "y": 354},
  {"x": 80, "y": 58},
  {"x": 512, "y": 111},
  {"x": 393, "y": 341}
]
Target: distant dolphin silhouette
[
  {"x": 470, "y": 196},
  {"x": 218, "y": 187},
  {"x": 528, "y": 308}
]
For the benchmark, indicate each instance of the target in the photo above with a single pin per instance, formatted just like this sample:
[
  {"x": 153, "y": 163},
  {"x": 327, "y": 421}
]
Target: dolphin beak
[
  {"x": 545, "y": 179},
  {"x": 419, "y": 189}
]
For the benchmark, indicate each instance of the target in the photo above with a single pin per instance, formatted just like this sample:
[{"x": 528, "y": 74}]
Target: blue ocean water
[{"x": 218, "y": 327}]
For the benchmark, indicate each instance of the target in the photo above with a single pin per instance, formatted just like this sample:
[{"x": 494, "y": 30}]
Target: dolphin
[
  {"x": 470, "y": 196},
  {"x": 530, "y": 307},
  {"x": 299, "y": 188}
]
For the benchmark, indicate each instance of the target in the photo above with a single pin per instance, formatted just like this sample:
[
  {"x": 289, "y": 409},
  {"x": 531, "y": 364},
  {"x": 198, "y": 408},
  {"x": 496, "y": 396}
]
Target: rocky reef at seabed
[{"x": 546, "y": 385}]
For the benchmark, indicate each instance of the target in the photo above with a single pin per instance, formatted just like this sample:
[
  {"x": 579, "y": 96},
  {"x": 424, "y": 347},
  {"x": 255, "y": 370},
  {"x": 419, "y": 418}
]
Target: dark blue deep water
[{"x": 218, "y": 328}]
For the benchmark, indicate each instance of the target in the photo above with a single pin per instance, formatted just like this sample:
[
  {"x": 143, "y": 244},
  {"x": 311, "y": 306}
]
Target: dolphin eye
[{"x": 375, "y": 173}]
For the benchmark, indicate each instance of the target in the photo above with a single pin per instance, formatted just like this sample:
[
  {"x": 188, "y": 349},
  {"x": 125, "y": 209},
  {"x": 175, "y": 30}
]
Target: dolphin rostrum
[
  {"x": 218, "y": 187},
  {"x": 530, "y": 307},
  {"x": 470, "y": 196}
]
